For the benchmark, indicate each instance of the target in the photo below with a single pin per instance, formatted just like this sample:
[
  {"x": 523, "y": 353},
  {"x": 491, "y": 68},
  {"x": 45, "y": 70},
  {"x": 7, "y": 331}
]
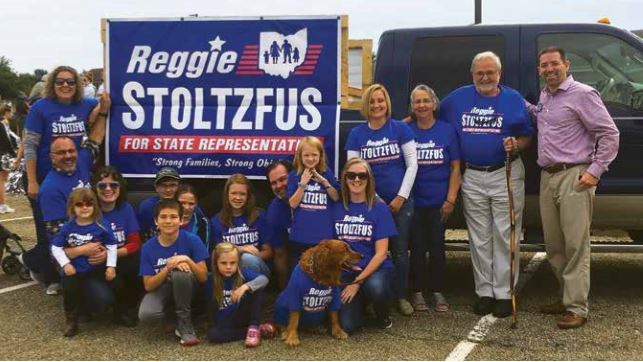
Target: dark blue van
[{"x": 607, "y": 58}]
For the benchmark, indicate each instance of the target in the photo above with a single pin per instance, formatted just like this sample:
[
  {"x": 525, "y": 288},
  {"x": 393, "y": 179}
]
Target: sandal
[{"x": 440, "y": 301}]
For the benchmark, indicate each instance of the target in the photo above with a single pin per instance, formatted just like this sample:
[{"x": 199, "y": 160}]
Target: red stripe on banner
[
  {"x": 247, "y": 69},
  {"x": 250, "y": 72},
  {"x": 307, "y": 72},
  {"x": 249, "y": 54},
  {"x": 313, "y": 51},
  {"x": 272, "y": 145},
  {"x": 309, "y": 62},
  {"x": 252, "y": 46},
  {"x": 305, "y": 67},
  {"x": 248, "y": 62},
  {"x": 315, "y": 46},
  {"x": 312, "y": 57},
  {"x": 250, "y": 57}
]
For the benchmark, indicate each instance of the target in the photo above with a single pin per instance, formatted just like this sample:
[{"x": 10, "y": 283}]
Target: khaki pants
[
  {"x": 566, "y": 212},
  {"x": 486, "y": 211}
]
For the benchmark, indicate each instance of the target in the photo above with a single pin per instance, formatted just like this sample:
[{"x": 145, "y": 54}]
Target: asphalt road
[{"x": 32, "y": 323}]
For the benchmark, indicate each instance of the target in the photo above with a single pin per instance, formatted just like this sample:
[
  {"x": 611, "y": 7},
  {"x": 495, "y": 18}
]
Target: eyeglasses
[
  {"x": 489, "y": 73},
  {"x": 103, "y": 185},
  {"x": 62, "y": 81},
  {"x": 71, "y": 151},
  {"x": 83, "y": 204},
  {"x": 356, "y": 175}
]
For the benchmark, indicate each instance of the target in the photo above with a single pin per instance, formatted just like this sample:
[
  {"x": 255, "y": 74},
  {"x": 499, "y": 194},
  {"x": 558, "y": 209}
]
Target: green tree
[{"x": 11, "y": 83}]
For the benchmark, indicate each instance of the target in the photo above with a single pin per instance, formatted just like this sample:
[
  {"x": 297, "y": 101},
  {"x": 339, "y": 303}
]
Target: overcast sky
[{"x": 43, "y": 34}]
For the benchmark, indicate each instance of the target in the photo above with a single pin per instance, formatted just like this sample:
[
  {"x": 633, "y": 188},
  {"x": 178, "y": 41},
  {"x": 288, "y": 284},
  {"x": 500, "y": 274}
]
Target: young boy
[
  {"x": 173, "y": 264},
  {"x": 166, "y": 184}
]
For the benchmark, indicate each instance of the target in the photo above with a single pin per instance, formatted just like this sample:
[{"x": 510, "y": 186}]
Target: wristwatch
[{"x": 302, "y": 185}]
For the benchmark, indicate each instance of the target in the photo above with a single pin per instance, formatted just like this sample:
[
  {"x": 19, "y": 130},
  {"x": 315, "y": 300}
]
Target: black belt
[
  {"x": 492, "y": 167},
  {"x": 557, "y": 167}
]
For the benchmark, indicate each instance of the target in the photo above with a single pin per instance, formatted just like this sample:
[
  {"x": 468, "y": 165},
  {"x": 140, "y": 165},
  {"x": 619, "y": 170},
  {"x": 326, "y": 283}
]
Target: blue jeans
[
  {"x": 427, "y": 235},
  {"x": 38, "y": 259},
  {"x": 399, "y": 247},
  {"x": 255, "y": 263},
  {"x": 376, "y": 289}
]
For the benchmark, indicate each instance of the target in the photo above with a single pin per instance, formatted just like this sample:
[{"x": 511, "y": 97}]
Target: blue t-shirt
[
  {"x": 122, "y": 221},
  {"x": 72, "y": 235},
  {"x": 51, "y": 119},
  {"x": 305, "y": 295},
  {"x": 482, "y": 122},
  {"x": 154, "y": 255},
  {"x": 278, "y": 220},
  {"x": 57, "y": 186},
  {"x": 382, "y": 149},
  {"x": 227, "y": 308},
  {"x": 361, "y": 228},
  {"x": 436, "y": 148},
  {"x": 311, "y": 220},
  {"x": 145, "y": 216},
  {"x": 242, "y": 233}
]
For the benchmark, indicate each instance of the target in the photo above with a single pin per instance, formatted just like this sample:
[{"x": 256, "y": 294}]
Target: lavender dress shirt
[{"x": 575, "y": 127}]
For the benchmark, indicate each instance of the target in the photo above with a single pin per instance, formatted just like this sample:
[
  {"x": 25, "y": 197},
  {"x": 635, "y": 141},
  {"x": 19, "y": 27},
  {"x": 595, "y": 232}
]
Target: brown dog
[{"x": 323, "y": 263}]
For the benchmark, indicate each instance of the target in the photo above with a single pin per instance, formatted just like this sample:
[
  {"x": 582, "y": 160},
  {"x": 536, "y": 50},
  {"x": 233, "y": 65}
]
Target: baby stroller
[{"x": 10, "y": 263}]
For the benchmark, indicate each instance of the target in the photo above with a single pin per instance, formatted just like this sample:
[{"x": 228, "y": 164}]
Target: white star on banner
[{"x": 216, "y": 44}]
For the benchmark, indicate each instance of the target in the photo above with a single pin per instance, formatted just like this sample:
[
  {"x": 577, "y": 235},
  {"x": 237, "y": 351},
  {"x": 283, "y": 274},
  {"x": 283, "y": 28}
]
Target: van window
[
  {"x": 443, "y": 63},
  {"x": 606, "y": 63}
]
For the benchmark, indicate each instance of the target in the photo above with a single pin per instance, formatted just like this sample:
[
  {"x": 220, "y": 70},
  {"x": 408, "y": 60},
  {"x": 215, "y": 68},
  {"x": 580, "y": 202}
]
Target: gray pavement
[{"x": 32, "y": 324}]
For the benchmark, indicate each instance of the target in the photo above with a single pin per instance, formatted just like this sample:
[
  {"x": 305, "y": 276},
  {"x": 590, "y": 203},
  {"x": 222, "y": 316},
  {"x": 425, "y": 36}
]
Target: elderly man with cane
[{"x": 490, "y": 120}]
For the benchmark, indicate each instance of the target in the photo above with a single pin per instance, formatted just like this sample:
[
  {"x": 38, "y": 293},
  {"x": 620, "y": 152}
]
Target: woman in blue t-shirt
[
  {"x": 62, "y": 111},
  {"x": 241, "y": 223},
  {"x": 388, "y": 145},
  {"x": 435, "y": 192},
  {"x": 111, "y": 189},
  {"x": 366, "y": 224}
]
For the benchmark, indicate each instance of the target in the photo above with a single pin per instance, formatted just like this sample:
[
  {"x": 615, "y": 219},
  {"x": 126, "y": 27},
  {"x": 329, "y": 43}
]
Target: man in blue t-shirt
[
  {"x": 70, "y": 168},
  {"x": 491, "y": 121},
  {"x": 279, "y": 218}
]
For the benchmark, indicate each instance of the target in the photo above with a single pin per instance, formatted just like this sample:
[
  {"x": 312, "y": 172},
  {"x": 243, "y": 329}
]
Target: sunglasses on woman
[
  {"x": 103, "y": 185},
  {"x": 83, "y": 204},
  {"x": 357, "y": 175},
  {"x": 62, "y": 81}
]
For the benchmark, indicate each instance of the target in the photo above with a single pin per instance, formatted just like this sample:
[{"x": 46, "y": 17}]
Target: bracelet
[
  {"x": 329, "y": 186},
  {"x": 302, "y": 185},
  {"x": 102, "y": 114}
]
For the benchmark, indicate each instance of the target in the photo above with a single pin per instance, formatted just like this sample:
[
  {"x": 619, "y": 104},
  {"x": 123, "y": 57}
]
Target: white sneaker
[
  {"x": 8, "y": 208},
  {"x": 3, "y": 208},
  {"x": 54, "y": 289}
]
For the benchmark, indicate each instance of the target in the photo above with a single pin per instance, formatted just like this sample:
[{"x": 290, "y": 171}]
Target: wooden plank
[{"x": 344, "y": 62}]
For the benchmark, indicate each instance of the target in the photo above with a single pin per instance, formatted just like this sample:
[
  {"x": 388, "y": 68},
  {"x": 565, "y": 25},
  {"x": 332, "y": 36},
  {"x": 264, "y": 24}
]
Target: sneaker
[
  {"x": 440, "y": 301},
  {"x": 187, "y": 338},
  {"x": 4, "y": 208},
  {"x": 267, "y": 330},
  {"x": 418, "y": 302},
  {"x": 53, "y": 289},
  {"x": 385, "y": 323},
  {"x": 502, "y": 308},
  {"x": 253, "y": 337},
  {"x": 405, "y": 307},
  {"x": 483, "y": 306}
]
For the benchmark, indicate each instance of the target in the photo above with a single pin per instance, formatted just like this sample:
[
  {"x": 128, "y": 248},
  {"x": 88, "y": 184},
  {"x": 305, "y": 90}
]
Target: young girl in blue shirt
[
  {"x": 85, "y": 226},
  {"x": 312, "y": 188},
  {"x": 235, "y": 296}
]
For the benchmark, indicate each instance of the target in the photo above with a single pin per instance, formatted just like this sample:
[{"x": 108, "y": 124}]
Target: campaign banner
[{"x": 213, "y": 97}]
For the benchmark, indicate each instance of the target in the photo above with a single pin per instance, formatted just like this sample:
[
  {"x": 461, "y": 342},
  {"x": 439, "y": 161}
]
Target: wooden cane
[{"x": 512, "y": 242}]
